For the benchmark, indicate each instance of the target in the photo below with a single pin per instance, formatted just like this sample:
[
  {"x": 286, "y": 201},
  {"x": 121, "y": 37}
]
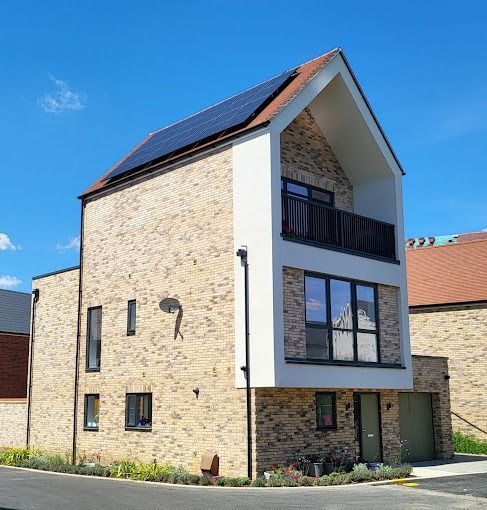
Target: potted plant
[
  {"x": 331, "y": 464},
  {"x": 315, "y": 466}
]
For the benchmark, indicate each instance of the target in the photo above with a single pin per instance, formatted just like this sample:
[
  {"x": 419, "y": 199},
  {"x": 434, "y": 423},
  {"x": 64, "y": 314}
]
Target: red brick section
[
  {"x": 454, "y": 273},
  {"x": 304, "y": 73},
  {"x": 14, "y": 357}
]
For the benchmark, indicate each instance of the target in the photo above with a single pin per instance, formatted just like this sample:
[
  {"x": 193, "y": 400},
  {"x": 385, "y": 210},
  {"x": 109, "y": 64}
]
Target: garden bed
[{"x": 133, "y": 470}]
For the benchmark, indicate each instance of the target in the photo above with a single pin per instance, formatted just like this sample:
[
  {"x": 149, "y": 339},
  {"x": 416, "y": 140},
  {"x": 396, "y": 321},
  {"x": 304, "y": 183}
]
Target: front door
[{"x": 368, "y": 426}]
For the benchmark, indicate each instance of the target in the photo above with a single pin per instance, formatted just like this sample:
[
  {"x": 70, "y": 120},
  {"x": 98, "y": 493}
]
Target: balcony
[{"x": 327, "y": 227}]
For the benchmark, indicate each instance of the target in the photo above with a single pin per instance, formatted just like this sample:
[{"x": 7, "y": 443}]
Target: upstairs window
[
  {"x": 131, "y": 317},
  {"x": 341, "y": 320},
  {"x": 92, "y": 412},
  {"x": 306, "y": 192},
  {"x": 138, "y": 412},
  {"x": 93, "y": 344}
]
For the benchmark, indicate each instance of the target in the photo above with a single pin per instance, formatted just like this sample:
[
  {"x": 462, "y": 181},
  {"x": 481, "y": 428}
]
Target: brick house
[
  {"x": 447, "y": 280},
  {"x": 14, "y": 356},
  {"x": 242, "y": 290}
]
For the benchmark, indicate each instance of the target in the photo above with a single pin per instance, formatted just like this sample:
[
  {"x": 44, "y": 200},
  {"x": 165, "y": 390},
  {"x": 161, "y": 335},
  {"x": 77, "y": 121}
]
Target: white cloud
[
  {"x": 72, "y": 244},
  {"x": 62, "y": 99},
  {"x": 8, "y": 282},
  {"x": 6, "y": 243}
]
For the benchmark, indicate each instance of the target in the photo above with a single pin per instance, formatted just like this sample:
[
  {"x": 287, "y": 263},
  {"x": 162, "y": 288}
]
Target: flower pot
[
  {"x": 328, "y": 467},
  {"x": 316, "y": 469}
]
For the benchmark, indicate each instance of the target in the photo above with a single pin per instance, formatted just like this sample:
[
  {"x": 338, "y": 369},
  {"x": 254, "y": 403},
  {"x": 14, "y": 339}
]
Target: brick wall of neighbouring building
[
  {"x": 294, "y": 318},
  {"x": 13, "y": 413},
  {"x": 286, "y": 420},
  {"x": 307, "y": 157},
  {"x": 460, "y": 333},
  {"x": 54, "y": 354},
  {"x": 14, "y": 357}
]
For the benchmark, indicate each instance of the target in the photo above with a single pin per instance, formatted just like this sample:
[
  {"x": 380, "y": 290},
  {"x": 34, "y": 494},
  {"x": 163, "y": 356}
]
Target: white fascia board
[
  {"x": 253, "y": 228},
  {"x": 294, "y": 375},
  {"x": 315, "y": 86},
  {"x": 336, "y": 263}
]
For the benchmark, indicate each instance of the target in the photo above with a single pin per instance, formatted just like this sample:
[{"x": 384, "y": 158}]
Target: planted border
[{"x": 134, "y": 470}]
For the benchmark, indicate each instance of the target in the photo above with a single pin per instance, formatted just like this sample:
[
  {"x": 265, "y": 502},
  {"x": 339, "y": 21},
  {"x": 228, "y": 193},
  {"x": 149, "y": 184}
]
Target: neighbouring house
[
  {"x": 14, "y": 357},
  {"x": 242, "y": 290},
  {"x": 447, "y": 281}
]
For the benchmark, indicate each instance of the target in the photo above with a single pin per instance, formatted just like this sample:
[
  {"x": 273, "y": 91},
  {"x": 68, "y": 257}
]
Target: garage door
[{"x": 416, "y": 422}]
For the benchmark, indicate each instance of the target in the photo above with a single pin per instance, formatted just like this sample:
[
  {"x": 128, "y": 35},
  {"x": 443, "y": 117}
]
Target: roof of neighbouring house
[
  {"x": 14, "y": 312},
  {"x": 448, "y": 273},
  {"x": 290, "y": 84}
]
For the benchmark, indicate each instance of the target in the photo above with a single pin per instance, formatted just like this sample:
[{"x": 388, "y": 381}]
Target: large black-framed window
[
  {"x": 341, "y": 319},
  {"x": 92, "y": 411},
  {"x": 131, "y": 316},
  {"x": 93, "y": 338},
  {"x": 326, "y": 411},
  {"x": 307, "y": 192},
  {"x": 138, "y": 411}
]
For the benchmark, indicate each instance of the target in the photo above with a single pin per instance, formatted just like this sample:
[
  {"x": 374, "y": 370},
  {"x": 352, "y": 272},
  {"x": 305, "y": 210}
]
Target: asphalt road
[{"x": 26, "y": 490}]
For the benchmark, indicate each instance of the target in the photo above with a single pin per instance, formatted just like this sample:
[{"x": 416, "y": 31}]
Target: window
[
  {"x": 341, "y": 320},
  {"x": 92, "y": 411},
  {"x": 138, "y": 411},
  {"x": 93, "y": 344},
  {"x": 326, "y": 413},
  {"x": 306, "y": 192},
  {"x": 131, "y": 315}
]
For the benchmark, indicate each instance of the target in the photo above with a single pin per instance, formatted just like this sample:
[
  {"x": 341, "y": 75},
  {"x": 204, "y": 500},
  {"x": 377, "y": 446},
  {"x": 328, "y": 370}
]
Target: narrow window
[
  {"x": 138, "y": 411},
  {"x": 317, "y": 340},
  {"x": 131, "y": 316},
  {"x": 366, "y": 324},
  {"x": 93, "y": 348},
  {"x": 326, "y": 411},
  {"x": 342, "y": 320},
  {"x": 92, "y": 411}
]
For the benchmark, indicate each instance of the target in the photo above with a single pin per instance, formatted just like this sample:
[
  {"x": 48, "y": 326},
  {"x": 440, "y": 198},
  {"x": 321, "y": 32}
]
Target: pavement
[
  {"x": 34, "y": 490},
  {"x": 461, "y": 464}
]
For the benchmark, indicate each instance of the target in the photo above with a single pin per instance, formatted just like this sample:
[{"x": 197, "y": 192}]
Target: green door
[
  {"x": 416, "y": 422},
  {"x": 369, "y": 424}
]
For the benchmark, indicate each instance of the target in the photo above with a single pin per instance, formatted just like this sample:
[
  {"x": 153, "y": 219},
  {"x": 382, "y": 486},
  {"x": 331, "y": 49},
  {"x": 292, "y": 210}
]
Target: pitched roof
[
  {"x": 302, "y": 75},
  {"x": 14, "y": 312},
  {"x": 454, "y": 273}
]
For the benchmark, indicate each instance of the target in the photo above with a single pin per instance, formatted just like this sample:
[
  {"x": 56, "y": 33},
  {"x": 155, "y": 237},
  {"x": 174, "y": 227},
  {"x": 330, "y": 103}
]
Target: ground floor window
[
  {"x": 326, "y": 415},
  {"x": 138, "y": 412},
  {"x": 92, "y": 411}
]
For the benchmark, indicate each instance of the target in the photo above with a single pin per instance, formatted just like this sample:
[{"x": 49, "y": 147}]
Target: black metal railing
[{"x": 327, "y": 226}]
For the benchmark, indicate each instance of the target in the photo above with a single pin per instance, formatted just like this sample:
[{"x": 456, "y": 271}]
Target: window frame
[
  {"x": 285, "y": 181},
  {"x": 328, "y": 325},
  {"x": 137, "y": 427},
  {"x": 333, "y": 395},
  {"x": 85, "y": 420},
  {"x": 88, "y": 339},
  {"x": 130, "y": 302}
]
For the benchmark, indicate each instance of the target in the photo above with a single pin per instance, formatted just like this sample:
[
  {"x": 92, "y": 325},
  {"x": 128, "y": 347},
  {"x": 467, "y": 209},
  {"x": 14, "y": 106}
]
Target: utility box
[{"x": 210, "y": 463}]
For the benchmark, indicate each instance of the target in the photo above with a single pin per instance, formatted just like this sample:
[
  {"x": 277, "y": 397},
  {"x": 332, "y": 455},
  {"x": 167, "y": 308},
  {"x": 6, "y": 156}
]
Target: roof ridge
[{"x": 461, "y": 243}]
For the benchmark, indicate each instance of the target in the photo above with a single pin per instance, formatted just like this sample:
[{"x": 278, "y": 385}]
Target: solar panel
[{"x": 213, "y": 120}]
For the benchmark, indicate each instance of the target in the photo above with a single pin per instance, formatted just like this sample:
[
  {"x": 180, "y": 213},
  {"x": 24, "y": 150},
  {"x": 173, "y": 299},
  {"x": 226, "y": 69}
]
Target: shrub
[
  {"x": 463, "y": 443},
  {"x": 204, "y": 480},
  {"x": 337, "y": 478},
  {"x": 359, "y": 473},
  {"x": 306, "y": 481},
  {"x": 13, "y": 456},
  {"x": 258, "y": 482},
  {"x": 276, "y": 481},
  {"x": 323, "y": 480}
]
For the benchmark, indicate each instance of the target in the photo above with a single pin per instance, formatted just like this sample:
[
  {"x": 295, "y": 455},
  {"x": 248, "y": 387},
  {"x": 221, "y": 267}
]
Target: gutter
[
  {"x": 35, "y": 294},
  {"x": 78, "y": 336}
]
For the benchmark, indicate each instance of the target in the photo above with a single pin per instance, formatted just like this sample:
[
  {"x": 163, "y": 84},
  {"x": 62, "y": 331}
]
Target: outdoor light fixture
[
  {"x": 196, "y": 391},
  {"x": 389, "y": 406},
  {"x": 170, "y": 305},
  {"x": 347, "y": 406}
]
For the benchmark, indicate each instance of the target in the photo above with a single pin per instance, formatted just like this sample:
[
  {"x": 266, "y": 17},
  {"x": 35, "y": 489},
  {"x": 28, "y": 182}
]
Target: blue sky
[{"x": 82, "y": 82}]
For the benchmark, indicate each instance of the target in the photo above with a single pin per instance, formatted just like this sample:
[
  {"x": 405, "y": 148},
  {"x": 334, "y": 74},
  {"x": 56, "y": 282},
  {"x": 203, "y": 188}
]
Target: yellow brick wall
[
  {"x": 54, "y": 354},
  {"x": 170, "y": 235},
  {"x": 461, "y": 335},
  {"x": 307, "y": 157},
  {"x": 13, "y": 415}
]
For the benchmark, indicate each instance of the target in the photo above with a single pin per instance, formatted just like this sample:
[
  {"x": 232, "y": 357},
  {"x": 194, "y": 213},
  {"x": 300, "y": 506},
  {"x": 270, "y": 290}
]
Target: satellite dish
[{"x": 169, "y": 305}]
